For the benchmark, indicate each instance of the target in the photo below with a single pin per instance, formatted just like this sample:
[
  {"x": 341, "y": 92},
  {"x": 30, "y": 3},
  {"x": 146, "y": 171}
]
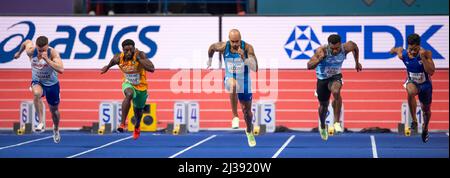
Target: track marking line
[
  {"x": 93, "y": 149},
  {"x": 188, "y": 148},
  {"x": 374, "y": 146},
  {"x": 284, "y": 146},
  {"x": 24, "y": 143}
]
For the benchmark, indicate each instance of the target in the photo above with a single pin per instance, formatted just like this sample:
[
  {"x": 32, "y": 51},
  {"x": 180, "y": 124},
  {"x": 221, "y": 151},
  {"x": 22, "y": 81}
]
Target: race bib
[
  {"x": 43, "y": 75},
  {"x": 133, "y": 78},
  {"x": 417, "y": 77},
  {"x": 330, "y": 71},
  {"x": 236, "y": 68}
]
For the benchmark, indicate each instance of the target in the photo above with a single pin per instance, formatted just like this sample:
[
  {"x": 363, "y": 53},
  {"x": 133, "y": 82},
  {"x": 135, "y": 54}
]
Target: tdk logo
[
  {"x": 303, "y": 41},
  {"x": 98, "y": 47}
]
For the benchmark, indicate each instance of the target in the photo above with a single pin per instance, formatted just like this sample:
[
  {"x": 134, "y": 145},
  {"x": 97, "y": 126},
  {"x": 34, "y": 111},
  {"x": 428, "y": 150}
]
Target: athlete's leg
[
  {"x": 337, "y": 101},
  {"x": 128, "y": 92},
  {"x": 38, "y": 104},
  {"x": 248, "y": 115},
  {"x": 55, "y": 116},
  {"x": 232, "y": 87},
  {"x": 246, "y": 104},
  {"x": 425, "y": 98},
  {"x": 412, "y": 91},
  {"x": 139, "y": 105},
  {"x": 323, "y": 95}
]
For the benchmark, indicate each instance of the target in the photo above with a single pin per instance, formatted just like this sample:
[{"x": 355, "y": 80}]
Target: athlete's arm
[
  {"x": 215, "y": 47},
  {"x": 251, "y": 61},
  {"x": 55, "y": 61},
  {"x": 397, "y": 51},
  {"x": 428, "y": 64},
  {"x": 316, "y": 58},
  {"x": 26, "y": 45},
  {"x": 114, "y": 61},
  {"x": 145, "y": 62},
  {"x": 351, "y": 46}
]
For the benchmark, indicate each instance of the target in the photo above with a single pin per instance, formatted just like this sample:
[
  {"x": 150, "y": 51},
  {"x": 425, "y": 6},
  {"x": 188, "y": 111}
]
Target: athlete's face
[
  {"x": 235, "y": 40},
  {"x": 335, "y": 48},
  {"x": 128, "y": 52},
  {"x": 42, "y": 49},
  {"x": 413, "y": 49}
]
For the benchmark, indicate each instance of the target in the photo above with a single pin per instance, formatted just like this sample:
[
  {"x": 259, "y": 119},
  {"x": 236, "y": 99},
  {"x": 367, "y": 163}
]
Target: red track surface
[{"x": 371, "y": 98}]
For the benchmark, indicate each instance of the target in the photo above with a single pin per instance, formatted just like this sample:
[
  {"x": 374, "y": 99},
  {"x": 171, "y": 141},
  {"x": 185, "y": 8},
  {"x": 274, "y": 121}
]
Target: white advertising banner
[
  {"x": 90, "y": 42},
  {"x": 182, "y": 42},
  {"x": 289, "y": 42}
]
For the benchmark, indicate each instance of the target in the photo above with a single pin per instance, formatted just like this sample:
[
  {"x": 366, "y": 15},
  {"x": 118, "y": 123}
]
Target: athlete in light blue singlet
[
  {"x": 45, "y": 66},
  {"x": 419, "y": 69},
  {"x": 239, "y": 58},
  {"x": 327, "y": 61}
]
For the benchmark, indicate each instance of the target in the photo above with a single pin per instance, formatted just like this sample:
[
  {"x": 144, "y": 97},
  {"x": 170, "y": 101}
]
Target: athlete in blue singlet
[
  {"x": 45, "y": 64},
  {"x": 327, "y": 61},
  {"x": 239, "y": 58},
  {"x": 419, "y": 69}
]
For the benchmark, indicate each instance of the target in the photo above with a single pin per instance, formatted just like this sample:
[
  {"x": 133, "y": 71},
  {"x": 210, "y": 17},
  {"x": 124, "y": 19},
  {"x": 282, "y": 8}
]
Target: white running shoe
[
  {"x": 337, "y": 127},
  {"x": 235, "y": 123},
  {"x": 56, "y": 136},
  {"x": 40, "y": 128}
]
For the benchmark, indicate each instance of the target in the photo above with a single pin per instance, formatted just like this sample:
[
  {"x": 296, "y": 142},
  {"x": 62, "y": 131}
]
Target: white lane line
[
  {"x": 284, "y": 146},
  {"x": 188, "y": 148},
  {"x": 93, "y": 149},
  {"x": 374, "y": 146},
  {"x": 27, "y": 142}
]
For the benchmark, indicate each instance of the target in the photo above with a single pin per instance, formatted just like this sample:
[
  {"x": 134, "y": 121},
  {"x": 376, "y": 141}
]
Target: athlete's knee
[
  {"x": 324, "y": 104},
  {"x": 128, "y": 94},
  {"x": 336, "y": 93},
  {"x": 54, "y": 109},
  {"x": 37, "y": 94},
  {"x": 247, "y": 113},
  {"x": 411, "y": 89}
]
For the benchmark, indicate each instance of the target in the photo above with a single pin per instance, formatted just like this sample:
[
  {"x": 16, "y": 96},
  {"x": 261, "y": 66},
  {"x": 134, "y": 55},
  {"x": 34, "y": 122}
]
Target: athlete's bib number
[
  {"x": 133, "y": 78},
  {"x": 43, "y": 75},
  {"x": 417, "y": 77},
  {"x": 330, "y": 71},
  {"x": 237, "y": 67}
]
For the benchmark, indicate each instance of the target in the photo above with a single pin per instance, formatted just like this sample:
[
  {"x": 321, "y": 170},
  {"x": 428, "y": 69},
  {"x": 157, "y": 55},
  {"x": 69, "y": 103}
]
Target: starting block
[
  {"x": 28, "y": 115},
  {"x": 176, "y": 129},
  {"x": 148, "y": 119},
  {"x": 104, "y": 129},
  {"x": 186, "y": 114},
  {"x": 404, "y": 127},
  {"x": 95, "y": 128},
  {"x": 20, "y": 130},
  {"x": 263, "y": 117}
]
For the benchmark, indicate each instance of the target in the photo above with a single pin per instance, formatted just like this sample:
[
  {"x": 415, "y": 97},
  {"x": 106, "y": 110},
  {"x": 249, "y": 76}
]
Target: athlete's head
[
  {"x": 413, "y": 44},
  {"x": 334, "y": 43},
  {"x": 128, "y": 48},
  {"x": 235, "y": 38},
  {"x": 42, "y": 44}
]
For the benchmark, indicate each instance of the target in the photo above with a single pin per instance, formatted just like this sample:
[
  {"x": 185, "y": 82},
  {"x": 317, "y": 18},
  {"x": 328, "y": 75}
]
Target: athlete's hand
[
  {"x": 104, "y": 69},
  {"x": 392, "y": 51},
  {"x": 241, "y": 53},
  {"x": 17, "y": 55},
  {"x": 321, "y": 55},
  {"x": 44, "y": 56},
  {"x": 358, "y": 67},
  {"x": 422, "y": 53}
]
